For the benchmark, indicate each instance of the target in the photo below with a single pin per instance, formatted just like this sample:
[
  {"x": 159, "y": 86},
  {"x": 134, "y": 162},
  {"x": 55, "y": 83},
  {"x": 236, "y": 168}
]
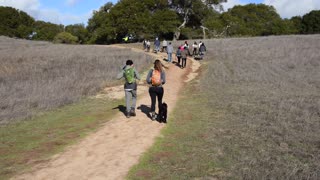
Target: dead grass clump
[{"x": 40, "y": 76}]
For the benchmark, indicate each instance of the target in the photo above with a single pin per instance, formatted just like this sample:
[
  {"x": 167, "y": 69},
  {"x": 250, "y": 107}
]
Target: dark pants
[
  {"x": 184, "y": 62},
  {"x": 194, "y": 52},
  {"x": 179, "y": 58},
  {"x": 156, "y": 92}
]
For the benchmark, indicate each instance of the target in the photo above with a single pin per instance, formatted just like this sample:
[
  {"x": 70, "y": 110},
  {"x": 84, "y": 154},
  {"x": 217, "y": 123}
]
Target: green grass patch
[
  {"x": 184, "y": 151},
  {"x": 32, "y": 141}
]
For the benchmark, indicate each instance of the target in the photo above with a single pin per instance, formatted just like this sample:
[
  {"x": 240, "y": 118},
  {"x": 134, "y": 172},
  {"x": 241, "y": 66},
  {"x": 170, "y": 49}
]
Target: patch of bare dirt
[{"x": 110, "y": 152}]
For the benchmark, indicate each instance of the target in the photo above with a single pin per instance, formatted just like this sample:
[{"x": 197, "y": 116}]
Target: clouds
[
  {"x": 53, "y": 13},
  {"x": 289, "y": 8},
  {"x": 21, "y": 4},
  {"x": 286, "y": 8},
  {"x": 79, "y": 11},
  {"x": 231, "y": 3},
  {"x": 72, "y": 2}
]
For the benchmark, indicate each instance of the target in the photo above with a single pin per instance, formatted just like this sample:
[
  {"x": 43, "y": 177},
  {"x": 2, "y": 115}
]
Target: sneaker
[
  {"x": 128, "y": 114},
  {"x": 132, "y": 112},
  {"x": 153, "y": 116}
]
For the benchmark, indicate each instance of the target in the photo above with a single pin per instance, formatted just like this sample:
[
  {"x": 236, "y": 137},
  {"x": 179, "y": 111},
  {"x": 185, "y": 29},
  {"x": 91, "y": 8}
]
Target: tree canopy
[
  {"x": 15, "y": 23},
  {"x": 166, "y": 19}
]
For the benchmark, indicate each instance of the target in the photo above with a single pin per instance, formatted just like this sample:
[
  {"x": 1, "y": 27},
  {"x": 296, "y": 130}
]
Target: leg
[
  {"x": 134, "y": 101},
  {"x": 153, "y": 96},
  {"x": 160, "y": 93},
  {"x": 128, "y": 96}
]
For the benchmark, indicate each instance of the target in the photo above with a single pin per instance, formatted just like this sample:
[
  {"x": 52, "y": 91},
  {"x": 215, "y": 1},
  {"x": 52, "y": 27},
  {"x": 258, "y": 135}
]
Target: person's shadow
[
  {"x": 121, "y": 108},
  {"x": 145, "y": 109}
]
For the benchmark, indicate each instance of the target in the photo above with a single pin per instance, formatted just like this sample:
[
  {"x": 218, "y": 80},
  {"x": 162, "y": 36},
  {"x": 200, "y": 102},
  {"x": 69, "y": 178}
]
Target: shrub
[{"x": 65, "y": 38}]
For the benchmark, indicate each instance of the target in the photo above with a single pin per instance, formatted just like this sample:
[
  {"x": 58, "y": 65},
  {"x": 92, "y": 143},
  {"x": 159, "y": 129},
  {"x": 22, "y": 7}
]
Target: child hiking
[
  {"x": 130, "y": 87},
  {"x": 156, "y": 78}
]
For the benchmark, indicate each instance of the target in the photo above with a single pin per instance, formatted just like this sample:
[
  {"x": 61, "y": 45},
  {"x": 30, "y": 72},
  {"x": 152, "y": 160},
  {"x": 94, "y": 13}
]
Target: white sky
[{"x": 79, "y": 11}]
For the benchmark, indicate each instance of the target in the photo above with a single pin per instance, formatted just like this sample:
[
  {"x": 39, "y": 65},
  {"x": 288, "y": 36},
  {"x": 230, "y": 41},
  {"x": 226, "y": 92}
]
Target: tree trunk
[
  {"x": 204, "y": 31},
  {"x": 185, "y": 20}
]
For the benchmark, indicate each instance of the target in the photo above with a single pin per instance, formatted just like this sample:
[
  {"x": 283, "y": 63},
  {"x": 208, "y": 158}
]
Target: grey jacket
[
  {"x": 163, "y": 77},
  {"x": 184, "y": 53},
  {"x": 129, "y": 86},
  {"x": 170, "y": 48}
]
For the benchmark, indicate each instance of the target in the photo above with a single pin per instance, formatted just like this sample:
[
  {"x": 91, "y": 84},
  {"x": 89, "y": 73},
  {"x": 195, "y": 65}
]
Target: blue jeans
[{"x": 169, "y": 57}]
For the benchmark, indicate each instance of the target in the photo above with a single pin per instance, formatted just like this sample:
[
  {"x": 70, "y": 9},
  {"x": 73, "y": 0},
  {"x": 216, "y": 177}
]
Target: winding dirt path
[{"x": 110, "y": 152}]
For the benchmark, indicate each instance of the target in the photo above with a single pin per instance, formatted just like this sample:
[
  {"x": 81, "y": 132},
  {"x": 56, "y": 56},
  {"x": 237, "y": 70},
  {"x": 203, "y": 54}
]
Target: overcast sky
[{"x": 79, "y": 11}]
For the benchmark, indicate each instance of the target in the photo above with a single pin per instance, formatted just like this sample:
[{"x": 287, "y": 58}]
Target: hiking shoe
[
  {"x": 132, "y": 112},
  {"x": 153, "y": 116},
  {"x": 128, "y": 114}
]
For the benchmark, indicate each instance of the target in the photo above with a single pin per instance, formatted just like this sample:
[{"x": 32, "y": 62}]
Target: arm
[
  {"x": 137, "y": 75},
  {"x": 120, "y": 74},
  {"x": 163, "y": 77},
  {"x": 148, "y": 79}
]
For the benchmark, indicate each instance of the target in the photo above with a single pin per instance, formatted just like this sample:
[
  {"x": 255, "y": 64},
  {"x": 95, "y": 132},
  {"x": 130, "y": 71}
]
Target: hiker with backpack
[
  {"x": 156, "y": 78},
  {"x": 130, "y": 87}
]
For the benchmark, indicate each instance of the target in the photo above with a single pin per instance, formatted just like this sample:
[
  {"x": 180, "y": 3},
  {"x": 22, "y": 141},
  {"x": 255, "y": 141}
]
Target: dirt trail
[{"x": 110, "y": 152}]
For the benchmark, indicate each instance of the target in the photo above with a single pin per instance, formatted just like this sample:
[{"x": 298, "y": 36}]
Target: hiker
[
  {"x": 157, "y": 45},
  {"x": 186, "y": 47},
  {"x": 148, "y": 45},
  {"x": 202, "y": 50},
  {"x": 164, "y": 45},
  {"x": 144, "y": 43},
  {"x": 156, "y": 78},
  {"x": 178, "y": 55},
  {"x": 130, "y": 87},
  {"x": 169, "y": 52},
  {"x": 184, "y": 55},
  {"x": 195, "y": 47}
]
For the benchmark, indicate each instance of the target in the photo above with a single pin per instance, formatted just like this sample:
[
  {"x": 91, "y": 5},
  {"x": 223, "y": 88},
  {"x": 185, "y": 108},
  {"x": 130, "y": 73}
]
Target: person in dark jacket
[
  {"x": 156, "y": 90},
  {"x": 202, "y": 50},
  {"x": 130, "y": 88}
]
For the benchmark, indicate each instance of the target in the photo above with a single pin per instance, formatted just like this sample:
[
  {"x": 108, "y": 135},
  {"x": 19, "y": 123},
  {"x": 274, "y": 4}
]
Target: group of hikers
[
  {"x": 183, "y": 51},
  {"x": 156, "y": 78}
]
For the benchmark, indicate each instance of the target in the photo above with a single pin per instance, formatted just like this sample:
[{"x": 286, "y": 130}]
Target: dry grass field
[
  {"x": 269, "y": 88},
  {"x": 253, "y": 114},
  {"x": 40, "y": 76}
]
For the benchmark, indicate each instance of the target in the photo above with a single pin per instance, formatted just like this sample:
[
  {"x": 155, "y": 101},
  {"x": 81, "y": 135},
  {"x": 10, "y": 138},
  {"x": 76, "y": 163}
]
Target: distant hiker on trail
[
  {"x": 178, "y": 54},
  {"x": 157, "y": 45},
  {"x": 186, "y": 45},
  {"x": 164, "y": 45},
  {"x": 184, "y": 55},
  {"x": 144, "y": 43},
  {"x": 169, "y": 52},
  {"x": 195, "y": 48},
  {"x": 156, "y": 78},
  {"x": 130, "y": 87},
  {"x": 148, "y": 45},
  {"x": 202, "y": 50}
]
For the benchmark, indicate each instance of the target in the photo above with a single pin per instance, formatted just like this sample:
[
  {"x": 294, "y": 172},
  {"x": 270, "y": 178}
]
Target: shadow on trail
[
  {"x": 121, "y": 108},
  {"x": 145, "y": 109}
]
